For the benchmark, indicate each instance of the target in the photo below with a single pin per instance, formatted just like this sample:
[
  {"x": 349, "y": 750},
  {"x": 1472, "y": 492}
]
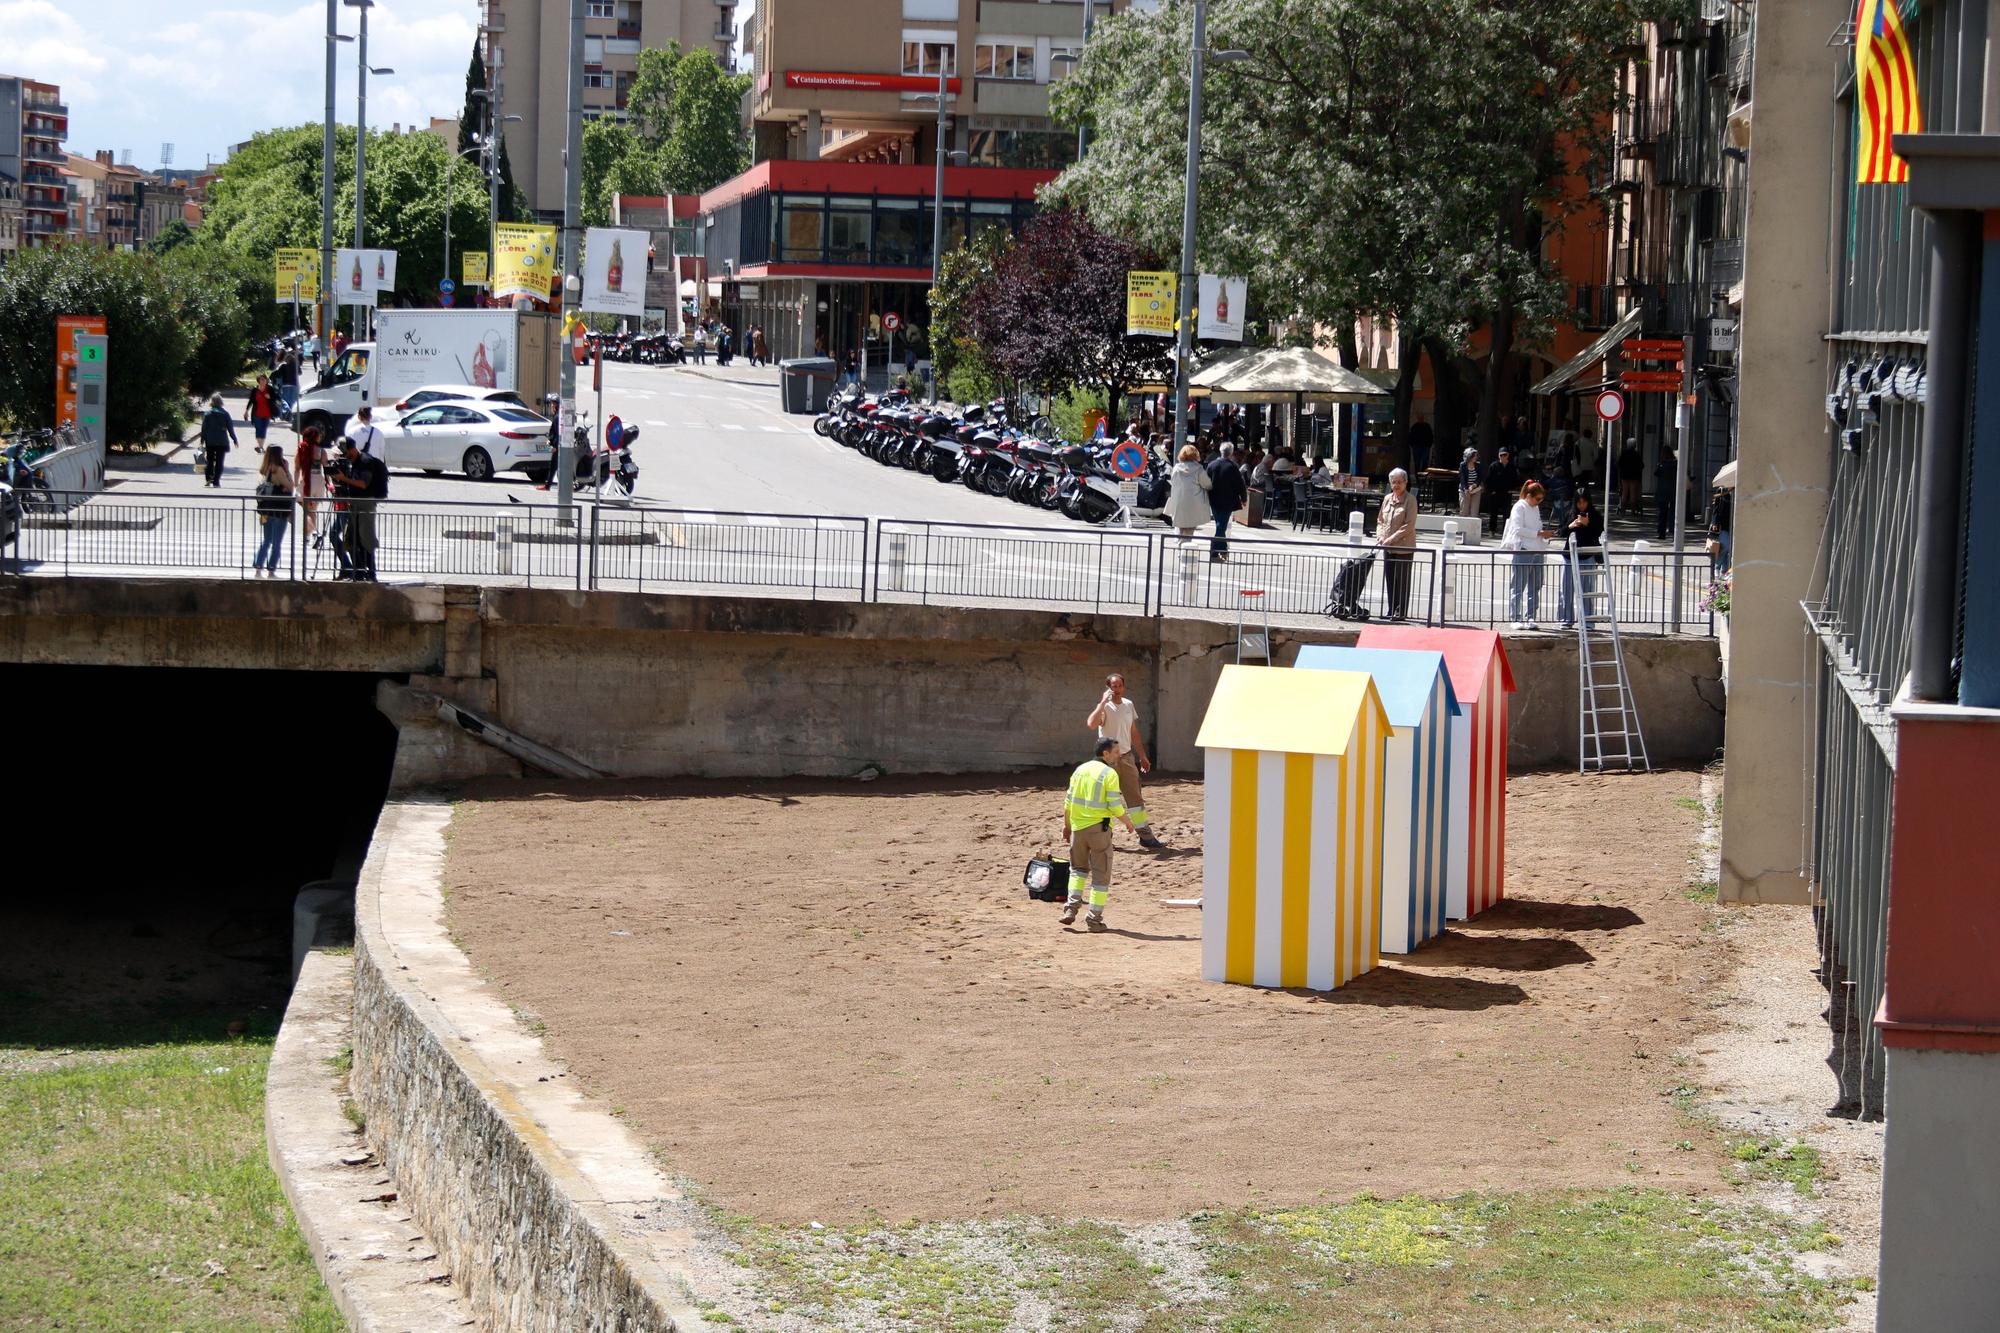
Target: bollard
[
  {"x": 1454, "y": 538},
  {"x": 1357, "y": 527},
  {"x": 1190, "y": 573},
  {"x": 897, "y": 552},
  {"x": 503, "y": 546}
]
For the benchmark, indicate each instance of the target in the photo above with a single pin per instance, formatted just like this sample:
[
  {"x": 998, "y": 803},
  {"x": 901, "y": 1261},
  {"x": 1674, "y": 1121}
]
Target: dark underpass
[{"x": 159, "y": 824}]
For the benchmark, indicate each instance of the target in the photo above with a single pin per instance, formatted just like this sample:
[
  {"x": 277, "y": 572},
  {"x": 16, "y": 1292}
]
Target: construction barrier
[
  {"x": 1476, "y": 660},
  {"x": 1292, "y": 850},
  {"x": 1415, "y": 689}
]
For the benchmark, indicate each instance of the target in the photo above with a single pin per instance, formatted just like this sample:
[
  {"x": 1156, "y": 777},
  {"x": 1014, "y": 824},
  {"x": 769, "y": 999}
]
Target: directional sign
[
  {"x": 1651, "y": 349},
  {"x": 1128, "y": 460},
  {"x": 1610, "y": 405}
]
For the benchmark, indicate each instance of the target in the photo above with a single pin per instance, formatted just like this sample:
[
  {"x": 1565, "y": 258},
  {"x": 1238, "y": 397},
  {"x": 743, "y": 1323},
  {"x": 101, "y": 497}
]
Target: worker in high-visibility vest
[{"x": 1093, "y": 802}]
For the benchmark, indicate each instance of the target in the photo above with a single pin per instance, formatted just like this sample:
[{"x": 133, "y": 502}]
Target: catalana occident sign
[{"x": 866, "y": 83}]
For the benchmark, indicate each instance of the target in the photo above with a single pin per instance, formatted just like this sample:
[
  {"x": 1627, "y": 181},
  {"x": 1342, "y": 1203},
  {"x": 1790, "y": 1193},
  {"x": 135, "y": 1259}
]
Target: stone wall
[{"x": 531, "y": 1241}]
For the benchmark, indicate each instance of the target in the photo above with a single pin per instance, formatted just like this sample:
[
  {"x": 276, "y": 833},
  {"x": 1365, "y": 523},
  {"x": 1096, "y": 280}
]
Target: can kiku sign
[
  {"x": 1149, "y": 303},
  {"x": 614, "y": 271},
  {"x": 524, "y": 260}
]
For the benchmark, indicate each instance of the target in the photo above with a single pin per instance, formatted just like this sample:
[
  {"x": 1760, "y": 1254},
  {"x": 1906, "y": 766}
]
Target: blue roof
[{"x": 1404, "y": 677}]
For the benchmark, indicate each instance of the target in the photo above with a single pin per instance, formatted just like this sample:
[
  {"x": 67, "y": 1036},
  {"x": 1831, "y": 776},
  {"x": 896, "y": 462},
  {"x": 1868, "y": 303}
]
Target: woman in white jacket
[
  {"x": 1527, "y": 539},
  {"x": 1187, "y": 493}
]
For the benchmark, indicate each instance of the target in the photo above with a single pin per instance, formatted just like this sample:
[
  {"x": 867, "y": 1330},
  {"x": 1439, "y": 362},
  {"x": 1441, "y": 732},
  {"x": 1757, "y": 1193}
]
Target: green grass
[
  {"x": 1628, "y": 1259},
  {"x": 137, "y": 1194},
  {"x": 1797, "y": 1164}
]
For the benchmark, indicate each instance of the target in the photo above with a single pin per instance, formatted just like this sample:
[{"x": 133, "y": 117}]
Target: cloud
[{"x": 210, "y": 73}]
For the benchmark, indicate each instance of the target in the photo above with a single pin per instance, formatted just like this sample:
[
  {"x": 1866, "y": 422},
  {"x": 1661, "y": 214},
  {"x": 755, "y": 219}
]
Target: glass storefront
[{"x": 861, "y": 230}]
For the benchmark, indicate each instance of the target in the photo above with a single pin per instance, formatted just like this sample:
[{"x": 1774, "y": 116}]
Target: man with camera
[{"x": 358, "y": 481}]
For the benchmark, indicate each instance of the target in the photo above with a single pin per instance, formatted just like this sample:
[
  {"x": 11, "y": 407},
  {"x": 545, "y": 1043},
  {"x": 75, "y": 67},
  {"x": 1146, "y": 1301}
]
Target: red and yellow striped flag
[{"x": 1885, "y": 91}]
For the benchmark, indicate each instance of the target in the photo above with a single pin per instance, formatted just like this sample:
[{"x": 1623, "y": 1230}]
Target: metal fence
[{"x": 641, "y": 548}]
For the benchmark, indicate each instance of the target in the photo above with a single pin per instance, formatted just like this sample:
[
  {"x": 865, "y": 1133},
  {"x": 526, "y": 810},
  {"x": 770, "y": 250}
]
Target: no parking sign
[{"x": 1128, "y": 460}]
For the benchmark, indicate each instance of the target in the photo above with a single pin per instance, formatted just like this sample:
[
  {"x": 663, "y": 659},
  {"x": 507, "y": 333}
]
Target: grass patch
[
  {"x": 1704, "y": 892},
  {"x": 1797, "y": 1164},
  {"x": 1690, "y": 804},
  {"x": 1628, "y": 1259},
  {"x": 138, "y": 1195}
]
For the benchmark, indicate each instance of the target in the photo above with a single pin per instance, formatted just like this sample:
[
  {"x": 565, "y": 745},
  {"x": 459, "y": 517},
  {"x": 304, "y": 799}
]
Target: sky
[{"x": 205, "y": 74}]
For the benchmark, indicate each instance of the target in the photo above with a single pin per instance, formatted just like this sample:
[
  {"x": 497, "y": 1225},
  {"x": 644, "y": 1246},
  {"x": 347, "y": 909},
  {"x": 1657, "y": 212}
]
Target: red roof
[{"x": 1468, "y": 653}]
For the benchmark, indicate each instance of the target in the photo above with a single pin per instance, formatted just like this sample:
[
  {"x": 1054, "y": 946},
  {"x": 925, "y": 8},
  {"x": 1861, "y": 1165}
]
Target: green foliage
[
  {"x": 471, "y": 123},
  {"x": 1067, "y": 409},
  {"x": 685, "y": 134},
  {"x": 614, "y": 162},
  {"x": 706, "y": 144},
  {"x": 207, "y": 290},
  {"x": 153, "y": 337},
  {"x": 171, "y": 237},
  {"x": 1402, "y": 157},
  {"x": 955, "y": 350}
]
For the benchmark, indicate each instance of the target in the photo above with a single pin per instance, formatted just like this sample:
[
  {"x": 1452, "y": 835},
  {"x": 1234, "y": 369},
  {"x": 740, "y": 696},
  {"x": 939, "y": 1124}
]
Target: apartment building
[
  {"x": 10, "y": 216},
  {"x": 844, "y": 82},
  {"x": 33, "y": 124},
  {"x": 106, "y": 210},
  {"x": 527, "y": 53}
]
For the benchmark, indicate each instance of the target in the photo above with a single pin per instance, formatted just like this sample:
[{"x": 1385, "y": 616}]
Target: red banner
[{"x": 866, "y": 83}]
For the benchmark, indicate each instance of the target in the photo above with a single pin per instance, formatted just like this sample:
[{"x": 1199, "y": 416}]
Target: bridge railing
[{"x": 835, "y": 557}]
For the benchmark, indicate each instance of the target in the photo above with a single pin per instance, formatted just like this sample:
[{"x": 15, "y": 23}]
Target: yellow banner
[
  {"x": 302, "y": 265},
  {"x": 1149, "y": 303},
  {"x": 524, "y": 260},
  {"x": 474, "y": 272}
]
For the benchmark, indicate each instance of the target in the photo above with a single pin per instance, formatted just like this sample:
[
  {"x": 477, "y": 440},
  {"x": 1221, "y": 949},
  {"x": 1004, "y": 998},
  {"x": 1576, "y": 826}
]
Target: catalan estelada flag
[{"x": 1885, "y": 91}]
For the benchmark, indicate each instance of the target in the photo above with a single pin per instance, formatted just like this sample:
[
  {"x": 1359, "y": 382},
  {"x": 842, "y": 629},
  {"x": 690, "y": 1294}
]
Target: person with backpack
[
  {"x": 274, "y": 510},
  {"x": 1226, "y": 493}
]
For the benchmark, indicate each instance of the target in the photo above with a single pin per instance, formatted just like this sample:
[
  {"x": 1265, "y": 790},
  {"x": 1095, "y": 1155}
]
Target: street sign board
[
  {"x": 1128, "y": 460},
  {"x": 892, "y": 321},
  {"x": 1639, "y": 383},
  {"x": 579, "y": 343},
  {"x": 92, "y": 362},
  {"x": 447, "y": 286},
  {"x": 1722, "y": 335},
  {"x": 447, "y": 300},
  {"x": 1128, "y": 496},
  {"x": 1651, "y": 349},
  {"x": 1610, "y": 405}
]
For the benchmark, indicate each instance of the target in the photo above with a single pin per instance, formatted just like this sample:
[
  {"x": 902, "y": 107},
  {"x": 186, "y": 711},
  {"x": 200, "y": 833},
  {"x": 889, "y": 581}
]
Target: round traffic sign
[
  {"x": 892, "y": 321},
  {"x": 446, "y": 299},
  {"x": 1128, "y": 460},
  {"x": 1610, "y": 405},
  {"x": 447, "y": 286}
]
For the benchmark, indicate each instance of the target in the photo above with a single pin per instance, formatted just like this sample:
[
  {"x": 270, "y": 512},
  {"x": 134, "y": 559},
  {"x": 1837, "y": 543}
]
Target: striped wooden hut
[
  {"x": 1477, "y": 662},
  {"x": 1416, "y": 694},
  {"x": 1292, "y": 849}
]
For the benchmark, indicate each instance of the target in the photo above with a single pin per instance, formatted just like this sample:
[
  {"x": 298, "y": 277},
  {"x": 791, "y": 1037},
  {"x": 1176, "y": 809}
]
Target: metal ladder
[
  {"x": 1250, "y": 642},
  {"x": 1607, "y": 722}
]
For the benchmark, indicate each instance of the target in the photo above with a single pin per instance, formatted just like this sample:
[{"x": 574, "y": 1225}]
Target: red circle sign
[
  {"x": 1610, "y": 405},
  {"x": 892, "y": 321}
]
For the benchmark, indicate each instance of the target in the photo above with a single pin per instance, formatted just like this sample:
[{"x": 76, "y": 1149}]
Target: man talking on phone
[{"x": 1116, "y": 718}]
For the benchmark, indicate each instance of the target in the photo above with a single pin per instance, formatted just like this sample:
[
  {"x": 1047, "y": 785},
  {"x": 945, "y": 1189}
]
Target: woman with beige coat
[{"x": 1396, "y": 534}]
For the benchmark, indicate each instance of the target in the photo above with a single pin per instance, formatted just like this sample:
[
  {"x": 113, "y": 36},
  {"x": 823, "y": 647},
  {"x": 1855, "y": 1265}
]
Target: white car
[
  {"x": 471, "y": 393},
  {"x": 477, "y": 439}
]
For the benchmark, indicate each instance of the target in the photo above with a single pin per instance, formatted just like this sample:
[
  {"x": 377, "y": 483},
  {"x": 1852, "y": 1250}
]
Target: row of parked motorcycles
[
  {"x": 981, "y": 449},
  {"x": 639, "y": 349}
]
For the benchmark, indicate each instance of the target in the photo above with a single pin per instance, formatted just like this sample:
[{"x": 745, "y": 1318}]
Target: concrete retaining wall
[
  {"x": 533, "y": 1240},
  {"x": 642, "y": 686}
]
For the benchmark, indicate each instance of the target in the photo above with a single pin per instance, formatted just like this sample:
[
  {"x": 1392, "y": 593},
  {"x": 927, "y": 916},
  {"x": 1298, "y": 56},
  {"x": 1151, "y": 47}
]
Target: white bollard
[
  {"x": 1357, "y": 527},
  {"x": 898, "y": 551},
  {"x": 503, "y": 546},
  {"x": 1190, "y": 573}
]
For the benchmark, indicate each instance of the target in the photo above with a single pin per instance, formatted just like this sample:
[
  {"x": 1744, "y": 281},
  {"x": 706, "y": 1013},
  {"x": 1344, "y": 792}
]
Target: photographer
[{"x": 359, "y": 480}]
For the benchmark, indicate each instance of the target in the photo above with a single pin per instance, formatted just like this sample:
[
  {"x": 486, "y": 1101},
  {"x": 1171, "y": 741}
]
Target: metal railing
[{"x": 649, "y": 548}]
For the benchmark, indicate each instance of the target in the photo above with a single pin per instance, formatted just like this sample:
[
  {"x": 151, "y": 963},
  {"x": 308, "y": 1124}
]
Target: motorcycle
[{"x": 615, "y": 476}]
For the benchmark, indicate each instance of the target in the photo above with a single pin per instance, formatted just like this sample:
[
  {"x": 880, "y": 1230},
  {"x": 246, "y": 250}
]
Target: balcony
[
  {"x": 32, "y": 151},
  {"x": 45, "y": 106},
  {"x": 1010, "y": 97},
  {"x": 1596, "y": 307},
  {"x": 32, "y": 225}
]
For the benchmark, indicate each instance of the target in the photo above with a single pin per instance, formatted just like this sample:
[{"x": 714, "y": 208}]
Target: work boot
[
  {"x": 1095, "y": 924},
  {"x": 1069, "y": 912},
  {"x": 1148, "y": 841}
]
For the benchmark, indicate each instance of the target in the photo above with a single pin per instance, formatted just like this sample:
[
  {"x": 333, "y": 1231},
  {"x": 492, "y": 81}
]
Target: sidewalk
[{"x": 738, "y": 371}]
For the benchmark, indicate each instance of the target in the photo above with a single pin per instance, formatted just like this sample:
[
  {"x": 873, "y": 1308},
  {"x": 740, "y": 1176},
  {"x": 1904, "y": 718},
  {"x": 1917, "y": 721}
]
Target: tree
[
  {"x": 963, "y": 367},
  {"x": 170, "y": 237},
  {"x": 1052, "y": 314},
  {"x": 614, "y": 162},
  {"x": 705, "y": 144},
  {"x": 472, "y": 123},
  {"x": 150, "y": 335},
  {"x": 1401, "y": 157}
]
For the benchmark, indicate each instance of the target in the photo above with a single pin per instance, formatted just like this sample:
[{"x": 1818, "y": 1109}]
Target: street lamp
[
  {"x": 327, "y": 308},
  {"x": 1073, "y": 58},
  {"x": 361, "y": 137},
  {"x": 937, "y": 211},
  {"x": 1184, "y": 294}
]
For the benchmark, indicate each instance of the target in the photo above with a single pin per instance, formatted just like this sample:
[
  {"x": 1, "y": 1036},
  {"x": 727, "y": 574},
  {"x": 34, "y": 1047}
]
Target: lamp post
[
  {"x": 449, "y": 167},
  {"x": 361, "y": 138},
  {"x": 937, "y": 218},
  {"x": 572, "y": 258},
  {"x": 1073, "y": 58},
  {"x": 327, "y": 308},
  {"x": 1184, "y": 292}
]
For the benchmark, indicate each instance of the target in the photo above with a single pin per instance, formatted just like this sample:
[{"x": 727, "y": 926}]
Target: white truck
[{"x": 494, "y": 349}]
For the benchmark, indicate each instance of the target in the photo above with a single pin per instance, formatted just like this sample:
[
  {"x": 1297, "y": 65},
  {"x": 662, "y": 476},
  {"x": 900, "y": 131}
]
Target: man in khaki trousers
[{"x": 1116, "y": 718}]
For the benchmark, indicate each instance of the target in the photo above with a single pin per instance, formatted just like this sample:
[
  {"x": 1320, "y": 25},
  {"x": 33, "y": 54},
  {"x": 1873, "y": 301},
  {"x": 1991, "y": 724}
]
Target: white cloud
[{"x": 205, "y": 74}]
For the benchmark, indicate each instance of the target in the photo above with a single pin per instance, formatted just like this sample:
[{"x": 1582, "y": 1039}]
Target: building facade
[
  {"x": 844, "y": 82},
  {"x": 10, "y": 216},
  {"x": 527, "y": 55},
  {"x": 34, "y": 122}
]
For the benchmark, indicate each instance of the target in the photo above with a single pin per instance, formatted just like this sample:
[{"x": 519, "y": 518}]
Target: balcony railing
[
  {"x": 41, "y": 226},
  {"x": 1596, "y": 306},
  {"x": 34, "y": 152},
  {"x": 47, "y": 106}
]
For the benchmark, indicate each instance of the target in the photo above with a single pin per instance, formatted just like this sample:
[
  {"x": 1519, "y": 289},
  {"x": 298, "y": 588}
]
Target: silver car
[{"x": 479, "y": 440}]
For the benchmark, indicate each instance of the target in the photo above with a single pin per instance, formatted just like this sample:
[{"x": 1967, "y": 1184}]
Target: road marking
[
  {"x": 775, "y": 430},
  {"x": 731, "y": 425}
]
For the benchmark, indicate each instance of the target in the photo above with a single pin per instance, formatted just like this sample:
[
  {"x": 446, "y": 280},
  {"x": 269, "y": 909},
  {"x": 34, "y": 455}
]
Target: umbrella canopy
[
  {"x": 1725, "y": 476},
  {"x": 1282, "y": 375},
  {"x": 688, "y": 288}
]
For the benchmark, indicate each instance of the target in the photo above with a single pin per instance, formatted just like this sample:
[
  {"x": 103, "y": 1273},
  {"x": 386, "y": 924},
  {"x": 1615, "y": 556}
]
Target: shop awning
[
  {"x": 1282, "y": 375},
  {"x": 1591, "y": 355}
]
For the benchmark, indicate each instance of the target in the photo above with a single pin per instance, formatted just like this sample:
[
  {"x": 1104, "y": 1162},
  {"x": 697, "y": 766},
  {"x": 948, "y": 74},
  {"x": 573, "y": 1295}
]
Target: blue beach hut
[{"x": 1416, "y": 693}]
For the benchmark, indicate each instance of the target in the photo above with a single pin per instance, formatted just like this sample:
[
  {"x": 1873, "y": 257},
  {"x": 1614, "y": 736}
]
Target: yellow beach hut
[{"x": 1292, "y": 845}]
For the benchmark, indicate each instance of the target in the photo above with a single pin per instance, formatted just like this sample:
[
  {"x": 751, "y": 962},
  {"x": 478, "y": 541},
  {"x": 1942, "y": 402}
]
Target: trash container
[{"x": 806, "y": 383}]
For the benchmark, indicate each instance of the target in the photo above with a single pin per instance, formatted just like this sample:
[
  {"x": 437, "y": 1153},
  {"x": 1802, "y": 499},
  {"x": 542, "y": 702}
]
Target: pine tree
[{"x": 472, "y": 122}]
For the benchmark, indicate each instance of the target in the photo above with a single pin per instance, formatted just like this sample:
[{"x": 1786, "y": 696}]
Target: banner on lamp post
[
  {"x": 382, "y": 265},
  {"x": 524, "y": 260},
  {"x": 473, "y": 270},
  {"x": 1220, "y": 312},
  {"x": 614, "y": 271},
  {"x": 1149, "y": 303},
  {"x": 301, "y": 266},
  {"x": 354, "y": 277}
]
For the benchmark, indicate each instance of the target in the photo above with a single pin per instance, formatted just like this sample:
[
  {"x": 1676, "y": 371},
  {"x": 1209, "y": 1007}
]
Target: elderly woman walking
[
  {"x": 1187, "y": 493},
  {"x": 1396, "y": 534},
  {"x": 1527, "y": 539}
]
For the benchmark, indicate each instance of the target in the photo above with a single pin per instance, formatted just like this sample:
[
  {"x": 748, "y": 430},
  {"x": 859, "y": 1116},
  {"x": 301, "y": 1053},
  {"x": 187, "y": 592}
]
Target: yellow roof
[{"x": 1289, "y": 712}]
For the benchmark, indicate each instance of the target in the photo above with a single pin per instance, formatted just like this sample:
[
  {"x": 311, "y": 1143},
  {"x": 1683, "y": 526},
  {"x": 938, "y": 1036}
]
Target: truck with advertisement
[{"x": 488, "y": 349}]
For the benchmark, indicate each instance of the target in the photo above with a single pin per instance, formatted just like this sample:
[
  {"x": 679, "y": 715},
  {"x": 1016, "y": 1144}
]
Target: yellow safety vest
[{"x": 1093, "y": 795}]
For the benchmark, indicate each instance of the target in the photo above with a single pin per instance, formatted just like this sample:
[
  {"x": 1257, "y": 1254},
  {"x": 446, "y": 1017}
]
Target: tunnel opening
[{"x": 163, "y": 820}]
